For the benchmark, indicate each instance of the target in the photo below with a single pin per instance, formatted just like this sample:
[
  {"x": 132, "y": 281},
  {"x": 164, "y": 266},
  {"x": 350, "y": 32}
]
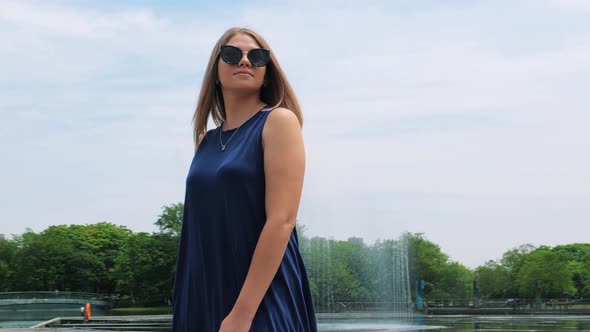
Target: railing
[
  {"x": 510, "y": 304},
  {"x": 55, "y": 294},
  {"x": 447, "y": 303},
  {"x": 339, "y": 306},
  {"x": 516, "y": 304}
]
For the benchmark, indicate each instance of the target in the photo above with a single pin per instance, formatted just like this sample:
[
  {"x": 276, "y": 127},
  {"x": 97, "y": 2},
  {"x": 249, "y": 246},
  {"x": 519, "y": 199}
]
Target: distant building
[
  {"x": 2, "y": 237},
  {"x": 354, "y": 239}
]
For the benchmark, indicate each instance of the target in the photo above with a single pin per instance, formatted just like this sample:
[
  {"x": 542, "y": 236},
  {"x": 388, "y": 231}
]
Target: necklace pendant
[{"x": 223, "y": 148}]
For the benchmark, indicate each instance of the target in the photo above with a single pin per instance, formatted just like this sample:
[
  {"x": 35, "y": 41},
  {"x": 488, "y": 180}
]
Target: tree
[
  {"x": 35, "y": 263},
  {"x": 347, "y": 272},
  {"x": 494, "y": 280},
  {"x": 548, "y": 271},
  {"x": 170, "y": 221},
  {"x": 145, "y": 267},
  {"x": 578, "y": 255},
  {"x": 512, "y": 261},
  {"x": 454, "y": 282},
  {"x": 8, "y": 251},
  {"x": 426, "y": 262},
  {"x": 579, "y": 252},
  {"x": 89, "y": 252}
]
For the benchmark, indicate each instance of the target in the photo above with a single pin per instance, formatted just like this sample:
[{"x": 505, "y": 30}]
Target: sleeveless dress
[{"x": 224, "y": 213}]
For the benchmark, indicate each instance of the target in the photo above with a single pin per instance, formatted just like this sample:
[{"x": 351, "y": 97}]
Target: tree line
[
  {"x": 562, "y": 271},
  {"x": 110, "y": 259}
]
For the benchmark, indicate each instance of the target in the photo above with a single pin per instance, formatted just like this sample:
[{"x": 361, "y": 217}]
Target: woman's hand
[{"x": 236, "y": 322}]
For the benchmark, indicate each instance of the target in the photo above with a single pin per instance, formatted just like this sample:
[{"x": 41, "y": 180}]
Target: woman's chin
[{"x": 242, "y": 84}]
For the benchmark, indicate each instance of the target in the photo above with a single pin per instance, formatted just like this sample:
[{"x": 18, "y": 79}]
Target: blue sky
[{"x": 465, "y": 120}]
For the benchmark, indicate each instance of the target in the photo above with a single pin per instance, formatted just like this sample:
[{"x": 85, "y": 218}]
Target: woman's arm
[{"x": 284, "y": 168}]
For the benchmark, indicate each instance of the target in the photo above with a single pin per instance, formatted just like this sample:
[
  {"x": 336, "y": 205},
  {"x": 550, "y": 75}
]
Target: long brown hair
[{"x": 276, "y": 92}]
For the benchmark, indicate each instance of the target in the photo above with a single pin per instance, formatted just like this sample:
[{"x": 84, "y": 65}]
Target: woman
[{"x": 239, "y": 267}]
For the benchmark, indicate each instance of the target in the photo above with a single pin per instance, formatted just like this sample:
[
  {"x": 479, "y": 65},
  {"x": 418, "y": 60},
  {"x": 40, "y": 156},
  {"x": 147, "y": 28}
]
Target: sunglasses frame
[{"x": 267, "y": 51}]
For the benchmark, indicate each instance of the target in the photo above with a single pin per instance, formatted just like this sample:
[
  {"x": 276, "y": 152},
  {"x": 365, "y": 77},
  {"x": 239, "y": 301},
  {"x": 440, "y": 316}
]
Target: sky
[{"x": 463, "y": 120}]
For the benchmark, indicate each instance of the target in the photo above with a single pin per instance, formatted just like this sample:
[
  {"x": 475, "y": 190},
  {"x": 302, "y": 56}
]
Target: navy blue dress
[{"x": 224, "y": 213}]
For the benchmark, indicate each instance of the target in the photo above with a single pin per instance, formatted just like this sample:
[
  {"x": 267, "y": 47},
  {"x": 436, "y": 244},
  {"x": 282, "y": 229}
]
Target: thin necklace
[
  {"x": 232, "y": 136},
  {"x": 235, "y": 132}
]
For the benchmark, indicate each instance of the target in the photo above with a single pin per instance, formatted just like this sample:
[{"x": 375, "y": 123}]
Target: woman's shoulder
[
  {"x": 281, "y": 125},
  {"x": 281, "y": 117}
]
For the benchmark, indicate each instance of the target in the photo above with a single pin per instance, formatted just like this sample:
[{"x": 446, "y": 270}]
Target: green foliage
[
  {"x": 578, "y": 256},
  {"x": 579, "y": 252},
  {"x": 145, "y": 267},
  {"x": 494, "y": 280},
  {"x": 170, "y": 221},
  {"x": 348, "y": 271},
  {"x": 106, "y": 258},
  {"x": 559, "y": 272},
  {"x": 549, "y": 272},
  {"x": 443, "y": 279},
  {"x": 512, "y": 261},
  {"x": 99, "y": 258},
  {"x": 455, "y": 282},
  {"x": 74, "y": 257},
  {"x": 8, "y": 250}
]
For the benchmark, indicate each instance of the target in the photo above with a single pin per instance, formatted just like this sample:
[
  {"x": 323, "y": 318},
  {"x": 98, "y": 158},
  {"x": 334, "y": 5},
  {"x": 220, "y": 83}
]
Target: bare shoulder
[
  {"x": 281, "y": 118},
  {"x": 281, "y": 123}
]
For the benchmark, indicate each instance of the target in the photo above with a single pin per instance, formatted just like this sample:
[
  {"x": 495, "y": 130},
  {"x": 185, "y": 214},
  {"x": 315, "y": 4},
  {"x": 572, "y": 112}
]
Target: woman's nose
[{"x": 244, "y": 61}]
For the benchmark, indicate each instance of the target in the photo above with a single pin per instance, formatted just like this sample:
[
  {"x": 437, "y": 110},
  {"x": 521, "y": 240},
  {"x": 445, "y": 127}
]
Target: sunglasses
[{"x": 258, "y": 57}]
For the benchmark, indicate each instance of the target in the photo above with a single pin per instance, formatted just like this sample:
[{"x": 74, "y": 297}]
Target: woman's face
[{"x": 242, "y": 75}]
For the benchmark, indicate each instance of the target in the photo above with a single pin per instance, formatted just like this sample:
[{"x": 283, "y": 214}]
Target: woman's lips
[{"x": 243, "y": 73}]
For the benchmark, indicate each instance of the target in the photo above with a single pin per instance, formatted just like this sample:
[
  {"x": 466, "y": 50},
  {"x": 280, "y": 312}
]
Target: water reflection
[{"x": 351, "y": 322}]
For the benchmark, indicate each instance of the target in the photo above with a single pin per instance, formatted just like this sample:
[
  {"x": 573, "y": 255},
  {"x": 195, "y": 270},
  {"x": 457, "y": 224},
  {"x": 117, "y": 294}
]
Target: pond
[{"x": 357, "y": 322}]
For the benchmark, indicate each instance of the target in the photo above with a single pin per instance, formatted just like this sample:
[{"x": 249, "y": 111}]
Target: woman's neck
[{"x": 239, "y": 108}]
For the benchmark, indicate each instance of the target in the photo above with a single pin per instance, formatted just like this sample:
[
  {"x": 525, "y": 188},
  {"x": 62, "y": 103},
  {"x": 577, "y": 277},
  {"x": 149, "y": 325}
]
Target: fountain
[{"x": 359, "y": 287}]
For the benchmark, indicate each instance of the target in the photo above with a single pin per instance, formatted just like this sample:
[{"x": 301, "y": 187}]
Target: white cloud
[
  {"x": 97, "y": 108},
  {"x": 573, "y": 5}
]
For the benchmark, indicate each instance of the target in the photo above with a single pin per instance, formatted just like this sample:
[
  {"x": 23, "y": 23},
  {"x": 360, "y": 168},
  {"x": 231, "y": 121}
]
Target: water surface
[{"x": 367, "y": 322}]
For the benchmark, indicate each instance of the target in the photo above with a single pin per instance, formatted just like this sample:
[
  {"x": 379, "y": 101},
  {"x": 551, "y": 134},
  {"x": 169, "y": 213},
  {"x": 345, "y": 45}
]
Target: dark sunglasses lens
[
  {"x": 259, "y": 57},
  {"x": 231, "y": 55}
]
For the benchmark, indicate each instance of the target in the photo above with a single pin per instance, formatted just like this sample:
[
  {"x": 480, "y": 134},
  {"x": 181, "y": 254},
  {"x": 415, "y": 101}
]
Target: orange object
[{"x": 87, "y": 311}]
